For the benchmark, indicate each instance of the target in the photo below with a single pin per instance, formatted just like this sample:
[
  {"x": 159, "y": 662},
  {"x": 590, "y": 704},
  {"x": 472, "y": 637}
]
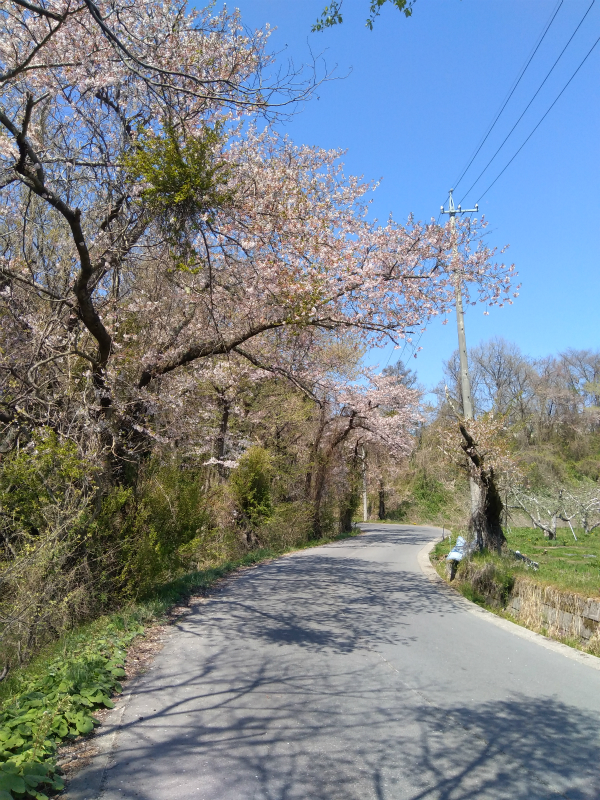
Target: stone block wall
[{"x": 562, "y": 613}]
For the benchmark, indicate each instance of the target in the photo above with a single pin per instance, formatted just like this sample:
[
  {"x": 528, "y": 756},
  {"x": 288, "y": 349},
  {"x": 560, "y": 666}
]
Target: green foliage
[
  {"x": 429, "y": 495},
  {"x": 289, "y": 525},
  {"x": 58, "y": 705},
  {"x": 428, "y": 500},
  {"x": 45, "y": 492},
  {"x": 168, "y": 513},
  {"x": 331, "y": 14},
  {"x": 181, "y": 175},
  {"x": 38, "y": 477},
  {"x": 250, "y": 484}
]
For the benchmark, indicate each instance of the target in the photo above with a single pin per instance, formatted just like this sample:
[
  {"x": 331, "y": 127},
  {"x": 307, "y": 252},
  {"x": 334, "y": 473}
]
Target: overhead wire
[
  {"x": 590, "y": 51},
  {"x": 512, "y": 91},
  {"x": 509, "y": 134}
]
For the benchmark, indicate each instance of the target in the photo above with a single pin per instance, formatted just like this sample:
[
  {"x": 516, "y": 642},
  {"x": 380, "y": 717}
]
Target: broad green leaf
[
  {"x": 12, "y": 783},
  {"x": 85, "y": 725},
  {"x": 61, "y": 729},
  {"x": 35, "y": 768},
  {"x": 118, "y": 673}
]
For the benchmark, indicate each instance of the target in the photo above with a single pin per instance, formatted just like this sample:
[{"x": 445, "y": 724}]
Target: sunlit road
[{"x": 343, "y": 672}]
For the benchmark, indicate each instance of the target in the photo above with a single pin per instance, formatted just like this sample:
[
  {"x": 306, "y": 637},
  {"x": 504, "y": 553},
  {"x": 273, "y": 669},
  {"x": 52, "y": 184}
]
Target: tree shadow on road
[
  {"x": 352, "y": 735},
  {"x": 274, "y": 692},
  {"x": 317, "y": 600}
]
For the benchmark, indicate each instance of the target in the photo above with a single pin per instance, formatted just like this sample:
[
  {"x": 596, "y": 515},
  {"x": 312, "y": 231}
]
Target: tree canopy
[{"x": 332, "y": 14}]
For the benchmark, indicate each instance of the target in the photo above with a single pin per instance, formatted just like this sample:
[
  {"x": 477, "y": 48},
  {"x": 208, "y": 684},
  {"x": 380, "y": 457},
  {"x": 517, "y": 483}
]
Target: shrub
[
  {"x": 250, "y": 485},
  {"x": 487, "y": 579}
]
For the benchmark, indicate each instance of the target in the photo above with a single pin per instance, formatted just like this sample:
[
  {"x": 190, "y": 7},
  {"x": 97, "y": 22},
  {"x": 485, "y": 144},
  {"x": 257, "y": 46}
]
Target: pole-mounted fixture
[{"x": 452, "y": 211}]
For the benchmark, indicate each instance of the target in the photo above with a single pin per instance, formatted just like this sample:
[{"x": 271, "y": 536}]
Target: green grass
[
  {"x": 52, "y": 699},
  {"x": 564, "y": 563}
]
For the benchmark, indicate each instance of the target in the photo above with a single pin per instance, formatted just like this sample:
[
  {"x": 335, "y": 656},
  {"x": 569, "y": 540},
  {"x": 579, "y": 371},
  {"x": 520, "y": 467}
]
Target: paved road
[{"x": 344, "y": 673}]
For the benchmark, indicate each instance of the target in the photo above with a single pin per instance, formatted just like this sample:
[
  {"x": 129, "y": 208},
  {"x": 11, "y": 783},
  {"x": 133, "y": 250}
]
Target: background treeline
[{"x": 550, "y": 413}]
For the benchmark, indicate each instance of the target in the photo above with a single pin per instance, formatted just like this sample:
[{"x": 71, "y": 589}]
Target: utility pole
[
  {"x": 465, "y": 383},
  {"x": 365, "y": 503}
]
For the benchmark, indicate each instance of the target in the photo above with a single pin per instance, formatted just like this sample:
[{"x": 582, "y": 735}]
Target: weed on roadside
[{"x": 52, "y": 700}]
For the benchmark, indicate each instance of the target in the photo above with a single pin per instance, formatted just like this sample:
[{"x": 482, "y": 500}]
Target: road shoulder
[{"x": 524, "y": 633}]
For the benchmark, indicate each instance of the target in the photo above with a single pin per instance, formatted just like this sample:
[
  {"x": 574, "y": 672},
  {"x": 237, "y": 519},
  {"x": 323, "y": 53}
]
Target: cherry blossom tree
[
  {"x": 378, "y": 412},
  {"x": 145, "y": 230},
  {"x": 489, "y": 461}
]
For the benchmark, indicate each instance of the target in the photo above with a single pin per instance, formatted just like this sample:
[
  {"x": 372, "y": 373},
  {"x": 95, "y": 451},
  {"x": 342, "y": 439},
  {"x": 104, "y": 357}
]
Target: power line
[
  {"x": 530, "y": 102},
  {"x": 590, "y": 51},
  {"x": 512, "y": 91}
]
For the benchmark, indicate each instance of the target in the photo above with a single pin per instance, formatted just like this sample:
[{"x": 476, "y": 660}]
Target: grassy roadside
[
  {"x": 53, "y": 699},
  {"x": 570, "y": 565},
  {"x": 565, "y": 565}
]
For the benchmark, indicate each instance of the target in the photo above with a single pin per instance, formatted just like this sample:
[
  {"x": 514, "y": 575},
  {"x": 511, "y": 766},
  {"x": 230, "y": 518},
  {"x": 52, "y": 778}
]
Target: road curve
[{"x": 344, "y": 673}]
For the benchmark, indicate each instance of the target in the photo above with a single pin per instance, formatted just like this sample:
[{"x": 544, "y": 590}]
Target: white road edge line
[{"x": 550, "y": 644}]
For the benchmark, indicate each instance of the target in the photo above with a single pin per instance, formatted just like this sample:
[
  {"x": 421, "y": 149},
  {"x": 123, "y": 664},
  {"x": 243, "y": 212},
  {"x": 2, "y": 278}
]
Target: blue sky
[{"x": 418, "y": 96}]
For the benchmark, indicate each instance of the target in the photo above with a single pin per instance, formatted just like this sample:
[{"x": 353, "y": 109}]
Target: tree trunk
[
  {"x": 485, "y": 523},
  {"x": 346, "y": 514},
  {"x": 318, "y": 489},
  {"x": 365, "y": 500},
  {"x": 486, "y": 517},
  {"x": 351, "y": 499},
  {"x": 381, "y": 513},
  {"x": 222, "y": 435}
]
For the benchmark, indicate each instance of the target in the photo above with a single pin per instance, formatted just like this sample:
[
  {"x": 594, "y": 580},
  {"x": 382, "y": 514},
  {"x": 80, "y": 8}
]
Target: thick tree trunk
[
  {"x": 486, "y": 518},
  {"x": 365, "y": 498},
  {"x": 485, "y": 523},
  {"x": 346, "y": 514},
  {"x": 351, "y": 499}
]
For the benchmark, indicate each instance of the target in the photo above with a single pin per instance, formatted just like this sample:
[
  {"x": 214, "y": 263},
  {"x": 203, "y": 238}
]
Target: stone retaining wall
[{"x": 562, "y": 613}]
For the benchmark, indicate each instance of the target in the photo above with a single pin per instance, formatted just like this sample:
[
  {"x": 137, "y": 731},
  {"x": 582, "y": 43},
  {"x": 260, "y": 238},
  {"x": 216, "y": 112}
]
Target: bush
[
  {"x": 290, "y": 525},
  {"x": 156, "y": 530},
  {"x": 487, "y": 579},
  {"x": 250, "y": 485},
  {"x": 429, "y": 495},
  {"x": 426, "y": 499},
  {"x": 46, "y": 493}
]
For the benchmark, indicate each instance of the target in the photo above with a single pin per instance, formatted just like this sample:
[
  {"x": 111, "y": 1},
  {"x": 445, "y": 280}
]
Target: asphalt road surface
[{"x": 344, "y": 673}]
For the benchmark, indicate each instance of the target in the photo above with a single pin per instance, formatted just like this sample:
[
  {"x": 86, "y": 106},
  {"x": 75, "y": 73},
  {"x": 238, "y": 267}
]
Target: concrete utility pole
[
  {"x": 365, "y": 502},
  {"x": 465, "y": 383}
]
